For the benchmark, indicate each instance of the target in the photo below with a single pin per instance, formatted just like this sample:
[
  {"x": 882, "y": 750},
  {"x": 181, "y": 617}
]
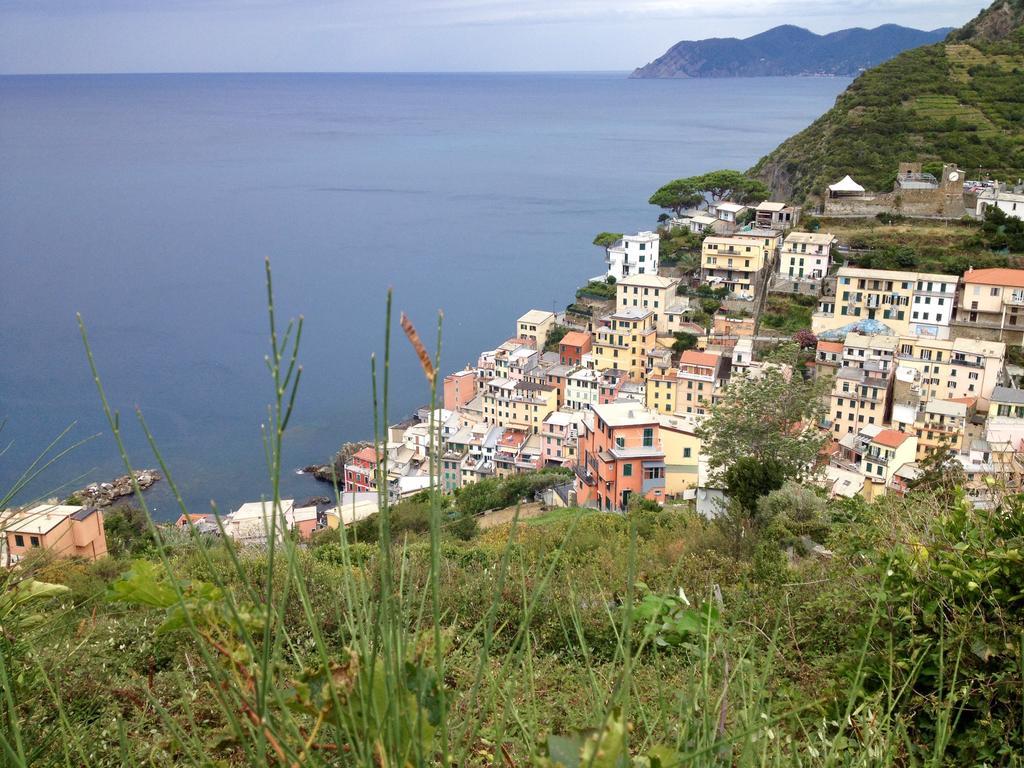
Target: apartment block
[
  {"x": 806, "y": 254},
  {"x": 518, "y": 405},
  {"x": 620, "y": 455},
  {"x": 535, "y": 326},
  {"x": 625, "y": 341},
  {"x": 651, "y": 292},
  {"x": 634, "y": 255},
  {"x": 905, "y": 303},
  {"x": 736, "y": 261},
  {"x": 991, "y": 304}
]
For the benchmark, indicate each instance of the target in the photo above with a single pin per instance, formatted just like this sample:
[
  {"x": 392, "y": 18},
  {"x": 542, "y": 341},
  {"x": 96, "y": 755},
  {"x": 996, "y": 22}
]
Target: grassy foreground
[{"x": 581, "y": 639}]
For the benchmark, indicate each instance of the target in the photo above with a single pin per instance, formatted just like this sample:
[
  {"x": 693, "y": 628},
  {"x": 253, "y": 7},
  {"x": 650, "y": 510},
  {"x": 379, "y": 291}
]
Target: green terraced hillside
[{"x": 958, "y": 101}]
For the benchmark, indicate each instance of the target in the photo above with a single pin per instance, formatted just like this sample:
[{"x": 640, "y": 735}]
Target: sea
[{"x": 148, "y": 204}]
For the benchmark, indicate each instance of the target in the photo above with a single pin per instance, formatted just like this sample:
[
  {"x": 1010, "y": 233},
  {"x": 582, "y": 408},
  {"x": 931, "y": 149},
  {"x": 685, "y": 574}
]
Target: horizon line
[{"x": 323, "y": 72}]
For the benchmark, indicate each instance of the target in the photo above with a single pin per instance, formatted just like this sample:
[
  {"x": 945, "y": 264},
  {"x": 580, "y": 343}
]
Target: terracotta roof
[
  {"x": 368, "y": 455},
  {"x": 996, "y": 276},
  {"x": 890, "y": 438},
  {"x": 693, "y": 357},
  {"x": 964, "y": 400},
  {"x": 576, "y": 339},
  {"x": 830, "y": 346}
]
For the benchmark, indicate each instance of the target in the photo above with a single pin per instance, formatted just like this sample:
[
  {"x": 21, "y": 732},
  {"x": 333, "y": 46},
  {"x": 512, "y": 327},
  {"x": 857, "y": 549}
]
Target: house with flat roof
[
  {"x": 652, "y": 292},
  {"x": 776, "y": 215},
  {"x": 620, "y": 455},
  {"x": 64, "y": 530},
  {"x": 807, "y": 255},
  {"x": 535, "y": 326},
  {"x": 634, "y": 255}
]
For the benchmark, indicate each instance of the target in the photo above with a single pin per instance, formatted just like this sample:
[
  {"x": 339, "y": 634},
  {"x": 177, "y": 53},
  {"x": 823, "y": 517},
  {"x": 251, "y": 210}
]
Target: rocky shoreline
[
  {"x": 326, "y": 473},
  {"x": 105, "y": 494}
]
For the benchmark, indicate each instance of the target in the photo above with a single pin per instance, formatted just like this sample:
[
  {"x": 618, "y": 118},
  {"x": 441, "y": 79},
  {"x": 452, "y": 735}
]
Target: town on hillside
[{"x": 921, "y": 368}]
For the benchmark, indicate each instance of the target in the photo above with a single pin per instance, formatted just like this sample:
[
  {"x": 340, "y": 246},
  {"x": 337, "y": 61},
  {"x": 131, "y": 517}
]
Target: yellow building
[
  {"x": 859, "y": 398},
  {"x": 625, "y": 342},
  {"x": 661, "y": 391},
  {"x": 651, "y": 292},
  {"x": 954, "y": 369},
  {"x": 942, "y": 425},
  {"x": 993, "y": 299},
  {"x": 908, "y": 303},
  {"x": 518, "y": 404},
  {"x": 735, "y": 261},
  {"x": 535, "y": 325},
  {"x": 682, "y": 452},
  {"x": 885, "y": 454}
]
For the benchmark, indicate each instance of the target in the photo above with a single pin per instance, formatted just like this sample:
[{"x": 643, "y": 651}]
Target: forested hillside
[{"x": 958, "y": 101}]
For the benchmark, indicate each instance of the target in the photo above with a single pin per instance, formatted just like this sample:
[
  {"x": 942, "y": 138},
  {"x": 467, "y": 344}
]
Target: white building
[
  {"x": 1010, "y": 203},
  {"x": 806, "y": 254},
  {"x": 933, "y": 305},
  {"x": 582, "y": 388},
  {"x": 634, "y": 255}
]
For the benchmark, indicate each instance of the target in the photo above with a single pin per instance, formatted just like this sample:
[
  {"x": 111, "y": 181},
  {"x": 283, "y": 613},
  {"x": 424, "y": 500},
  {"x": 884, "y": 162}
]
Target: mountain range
[{"x": 787, "y": 50}]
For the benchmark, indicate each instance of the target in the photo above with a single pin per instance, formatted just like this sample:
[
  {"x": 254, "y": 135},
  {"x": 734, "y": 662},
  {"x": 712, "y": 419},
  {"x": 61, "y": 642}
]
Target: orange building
[
  {"x": 620, "y": 455},
  {"x": 459, "y": 389},
  {"x": 67, "y": 531},
  {"x": 573, "y": 346}
]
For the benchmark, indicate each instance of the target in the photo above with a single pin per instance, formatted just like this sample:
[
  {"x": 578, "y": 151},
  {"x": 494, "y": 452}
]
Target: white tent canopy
[{"x": 846, "y": 186}]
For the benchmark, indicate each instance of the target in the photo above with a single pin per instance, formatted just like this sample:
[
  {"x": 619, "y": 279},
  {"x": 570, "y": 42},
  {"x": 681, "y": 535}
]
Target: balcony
[
  {"x": 875, "y": 458},
  {"x": 634, "y": 449},
  {"x": 584, "y": 474}
]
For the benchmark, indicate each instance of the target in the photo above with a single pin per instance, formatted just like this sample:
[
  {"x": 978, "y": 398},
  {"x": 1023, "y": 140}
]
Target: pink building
[{"x": 459, "y": 389}]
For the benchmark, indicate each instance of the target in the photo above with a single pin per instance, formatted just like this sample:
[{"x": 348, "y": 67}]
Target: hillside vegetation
[{"x": 958, "y": 101}]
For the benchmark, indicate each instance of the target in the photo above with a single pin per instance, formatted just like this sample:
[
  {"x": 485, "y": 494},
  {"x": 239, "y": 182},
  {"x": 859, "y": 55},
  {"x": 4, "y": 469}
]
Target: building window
[
  {"x": 648, "y": 437},
  {"x": 34, "y": 540},
  {"x": 686, "y": 453},
  {"x": 627, "y": 470},
  {"x": 19, "y": 540}
]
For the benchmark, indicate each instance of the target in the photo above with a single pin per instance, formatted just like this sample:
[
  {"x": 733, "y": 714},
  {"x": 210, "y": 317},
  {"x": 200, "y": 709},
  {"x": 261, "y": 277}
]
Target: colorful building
[
  {"x": 992, "y": 301},
  {"x": 573, "y": 346},
  {"x": 459, "y": 389},
  {"x": 648, "y": 291},
  {"x": 906, "y": 303},
  {"x": 361, "y": 471},
  {"x": 518, "y": 405},
  {"x": 64, "y": 530},
  {"x": 535, "y": 326},
  {"x": 620, "y": 455},
  {"x": 736, "y": 261},
  {"x": 887, "y": 452},
  {"x": 625, "y": 342}
]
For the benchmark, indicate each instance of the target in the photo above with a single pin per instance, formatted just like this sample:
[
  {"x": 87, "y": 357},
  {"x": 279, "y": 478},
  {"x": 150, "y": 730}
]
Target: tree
[
  {"x": 713, "y": 187},
  {"x": 749, "y": 478},
  {"x": 734, "y": 186},
  {"x": 766, "y": 418},
  {"x": 683, "y": 342},
  {"x": 678, "y": 195},
  {"x": 941, "y": 473},
  {"x": 806, "y": 339},
  {"x": 607, "y": 239}
]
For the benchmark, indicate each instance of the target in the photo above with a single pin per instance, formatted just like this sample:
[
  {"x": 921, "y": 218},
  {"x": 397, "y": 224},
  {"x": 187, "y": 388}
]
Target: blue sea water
[{"x": 148, "y": 203}]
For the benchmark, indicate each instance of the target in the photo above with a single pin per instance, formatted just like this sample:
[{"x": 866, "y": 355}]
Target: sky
[{"x": 73, "y": 36}]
